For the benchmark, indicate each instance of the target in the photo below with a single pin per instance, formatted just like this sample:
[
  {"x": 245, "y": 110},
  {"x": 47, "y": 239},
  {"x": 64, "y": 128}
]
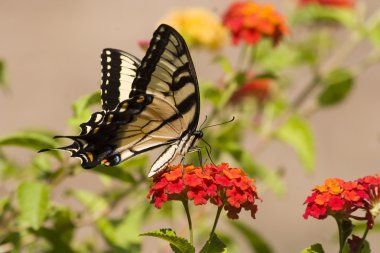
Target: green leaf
[
  {"x": 95, "y": 203},
  {"x": 319, "y": 13},
  {"x": 256, "y": 242},
  {"x": 210, "y": 93},
  {"x": 33, "y": 200},
  {"x": 4, "y": 202},
  {"x": 315, "y": 248},
  {"x": 364, "y": 249},
  {"x": 56, "y": 240},
  {"x": 116, "y": 172},
  {"x": 338, "y": 84},
  {"x": 81, "y": 111},
  {"x": 274, "y": 59},
  {"x": 225, "y": 64},
  {"x": 375, "y": 34},
  {"x": 32, "y": 139},
  {"x": 80, "y": 106},
  {"x": 123, "y": 172},
  {"x": 214, "y": 246},
  {"x": 123, "y": 233},
  {"x": 297, "y": 133},
  {"x": 170, "y": 236},
  {"x": 345, "y": 229}
]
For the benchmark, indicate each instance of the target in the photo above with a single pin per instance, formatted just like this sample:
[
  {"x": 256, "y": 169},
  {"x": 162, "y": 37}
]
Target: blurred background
[{"x": 51, "y": 50}]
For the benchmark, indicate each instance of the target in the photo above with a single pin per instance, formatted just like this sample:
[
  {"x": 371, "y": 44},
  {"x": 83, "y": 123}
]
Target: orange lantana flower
[{"x": 249, "y": 22}]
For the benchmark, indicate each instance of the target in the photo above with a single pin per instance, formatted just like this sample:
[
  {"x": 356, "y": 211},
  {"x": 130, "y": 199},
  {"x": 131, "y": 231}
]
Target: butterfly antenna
[
  {"x": 203, "y": 122},
  {"x": 226, "y": 122}
]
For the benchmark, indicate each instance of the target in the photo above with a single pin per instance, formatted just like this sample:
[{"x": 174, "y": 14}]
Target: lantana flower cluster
[
  {"x": 219, "y": 185},
  {"x": 342, "y": 199},
  {"x": 249, "y": 22}
]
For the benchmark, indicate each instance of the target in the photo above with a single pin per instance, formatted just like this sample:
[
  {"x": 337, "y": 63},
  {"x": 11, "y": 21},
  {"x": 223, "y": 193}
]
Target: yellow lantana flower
[{"x": 199, "y": 27}]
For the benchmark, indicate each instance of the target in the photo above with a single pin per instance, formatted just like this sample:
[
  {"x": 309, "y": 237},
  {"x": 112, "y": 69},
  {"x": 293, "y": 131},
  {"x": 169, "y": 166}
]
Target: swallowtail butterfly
[{"x": 146, "y": 104}]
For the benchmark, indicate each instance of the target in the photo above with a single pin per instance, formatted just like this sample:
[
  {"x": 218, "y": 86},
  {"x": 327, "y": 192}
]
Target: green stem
[
  {"x": 215, "y": 221},
  {"x": 362, "y": 240},
  {"x": 341, "y": 235},
  {"x": 186, "y": 206},
  {"x": 304, "y": 94}
]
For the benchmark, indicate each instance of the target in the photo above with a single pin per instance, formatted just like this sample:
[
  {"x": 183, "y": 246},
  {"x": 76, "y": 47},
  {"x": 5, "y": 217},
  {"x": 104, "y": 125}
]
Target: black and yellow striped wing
[
  {"x": 146, "y": 105},
  {"x": 118, "y": 72}
]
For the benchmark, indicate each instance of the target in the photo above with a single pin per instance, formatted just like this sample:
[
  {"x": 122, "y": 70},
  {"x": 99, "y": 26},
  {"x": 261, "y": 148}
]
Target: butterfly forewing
[
  {"x": 167, "y": 71},
  {"x": 118, "y": 72}
]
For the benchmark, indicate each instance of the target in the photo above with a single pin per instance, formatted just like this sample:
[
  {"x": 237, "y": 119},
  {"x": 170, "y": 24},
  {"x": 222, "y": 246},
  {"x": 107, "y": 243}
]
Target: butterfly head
[{"x": 198, "y": 134}]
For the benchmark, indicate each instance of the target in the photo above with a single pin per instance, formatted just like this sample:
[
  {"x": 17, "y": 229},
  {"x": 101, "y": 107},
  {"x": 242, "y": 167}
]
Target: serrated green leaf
[
  {"x": 94, "y": 203},
  {"x": 33, "y": 200},
  {"x": 315, "y": 248},
  {"x": 256, "y": 242},
  {"x": 297, "y": 133},
  {"x": 319, "y": 13},
  {"x": 31, "y": 139},
  {"x": 338, "y": 85},
  {"x": 170, "y": 236},
  {"x": 214, "y": 246}
]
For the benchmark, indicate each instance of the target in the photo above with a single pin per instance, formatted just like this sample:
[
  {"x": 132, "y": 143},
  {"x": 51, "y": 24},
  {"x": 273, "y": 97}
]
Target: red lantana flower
[
  {"x": 219, "y": 185},
  {"x": 333, "y": 3},
  {"x": 335, "y": 197},
  {"x": 341, "y": 199},
  {"x": 249, "y": 21},
  {"x": 258, "y": 88}
]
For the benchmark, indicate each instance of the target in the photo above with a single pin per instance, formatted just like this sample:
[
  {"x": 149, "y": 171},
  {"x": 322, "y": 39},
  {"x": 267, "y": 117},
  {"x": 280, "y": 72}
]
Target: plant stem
[
  {"x": 215, "y": 222},
  {"x": 298, "y": 101},
  {"x": 362, "y": 240},
  {"x": 341, "y": 236},
  {"x": 186, "y": 206}
]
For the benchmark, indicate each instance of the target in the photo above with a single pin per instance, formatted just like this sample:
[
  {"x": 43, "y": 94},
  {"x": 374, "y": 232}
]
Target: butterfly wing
[
  {"x": 162, "y": 107},
  {"x": 118, "y": 72}
]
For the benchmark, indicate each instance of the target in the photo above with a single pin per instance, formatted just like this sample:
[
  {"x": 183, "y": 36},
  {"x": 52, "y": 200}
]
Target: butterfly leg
[{"x": 200, "y": 156}]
